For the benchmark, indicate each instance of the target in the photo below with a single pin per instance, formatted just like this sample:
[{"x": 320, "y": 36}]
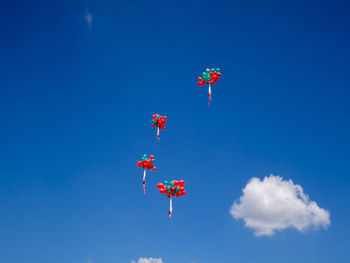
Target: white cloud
[
  {"x": 275, "y": 204},
  {"x": 148, "y": 260},
  {"x": 88, "y": 17}
]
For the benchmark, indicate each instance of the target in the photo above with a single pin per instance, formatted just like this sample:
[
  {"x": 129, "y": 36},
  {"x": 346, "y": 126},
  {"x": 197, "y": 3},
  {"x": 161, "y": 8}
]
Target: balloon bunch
[
  {"x": 171, "y": 189},
  {"x": 159, "y": 122},
  {"x": 146, "y": 163},
  {"x": 209, "y": 76}
]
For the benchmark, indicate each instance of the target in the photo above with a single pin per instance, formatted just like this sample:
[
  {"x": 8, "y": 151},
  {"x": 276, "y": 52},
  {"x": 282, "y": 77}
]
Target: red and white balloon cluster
[
  {"x": 209, "y": 76},
  {"x": 159, "y": 121},
  {"x": 171, "y": 189},
  {"x": 146, "y": 163}
]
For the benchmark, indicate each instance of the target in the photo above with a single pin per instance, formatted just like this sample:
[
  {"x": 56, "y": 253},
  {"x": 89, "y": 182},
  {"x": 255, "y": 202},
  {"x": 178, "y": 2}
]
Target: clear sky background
[{"x": 79, "y": 83}]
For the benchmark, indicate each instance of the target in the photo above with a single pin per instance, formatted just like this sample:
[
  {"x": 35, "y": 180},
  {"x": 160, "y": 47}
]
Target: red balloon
[{"x": 181, "y": 183}]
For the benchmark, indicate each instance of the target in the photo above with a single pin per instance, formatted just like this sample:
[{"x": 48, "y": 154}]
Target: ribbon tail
[
  {"x": 144, "y": 181},
  {"x": 209, "y": 94},
  {"x": 170, "y": 208}
]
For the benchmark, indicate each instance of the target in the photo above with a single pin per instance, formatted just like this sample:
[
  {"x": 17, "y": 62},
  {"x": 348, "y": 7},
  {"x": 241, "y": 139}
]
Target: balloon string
[
  {"x": 144, "y": 181},
  {"x": 209, "y": 93},
  {"x": 158, "y": 133},
  {"x": 170, "y": 208}
]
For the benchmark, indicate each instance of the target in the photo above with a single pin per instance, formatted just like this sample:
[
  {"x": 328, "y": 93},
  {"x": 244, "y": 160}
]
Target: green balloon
[
  {"x": 166, "y": 183},
  {"x": 172, "y": 184},
  {"x": 177, "y": 189}
]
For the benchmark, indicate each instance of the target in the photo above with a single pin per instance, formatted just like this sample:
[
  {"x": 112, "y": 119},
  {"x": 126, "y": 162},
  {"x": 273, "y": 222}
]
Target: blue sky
[{"x": 76, "y": 105}]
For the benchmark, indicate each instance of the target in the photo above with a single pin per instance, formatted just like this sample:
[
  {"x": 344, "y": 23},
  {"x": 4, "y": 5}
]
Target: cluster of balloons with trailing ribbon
[
  {"x": 146, "y": 164},
  {"x": 159, "y": 123},
  {"x": 174, "y": 188},
  {"x": 171, "y": 189},
  {"x": 209, "y": 77}
]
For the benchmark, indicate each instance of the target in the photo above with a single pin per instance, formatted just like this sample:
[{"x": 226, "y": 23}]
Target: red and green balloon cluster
[
  {"x": 173, "y": 188},
  {"x": 209, "y": 76},
  {"x": 146, "y": 163},
  {"x": 159, "y": 121}
]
